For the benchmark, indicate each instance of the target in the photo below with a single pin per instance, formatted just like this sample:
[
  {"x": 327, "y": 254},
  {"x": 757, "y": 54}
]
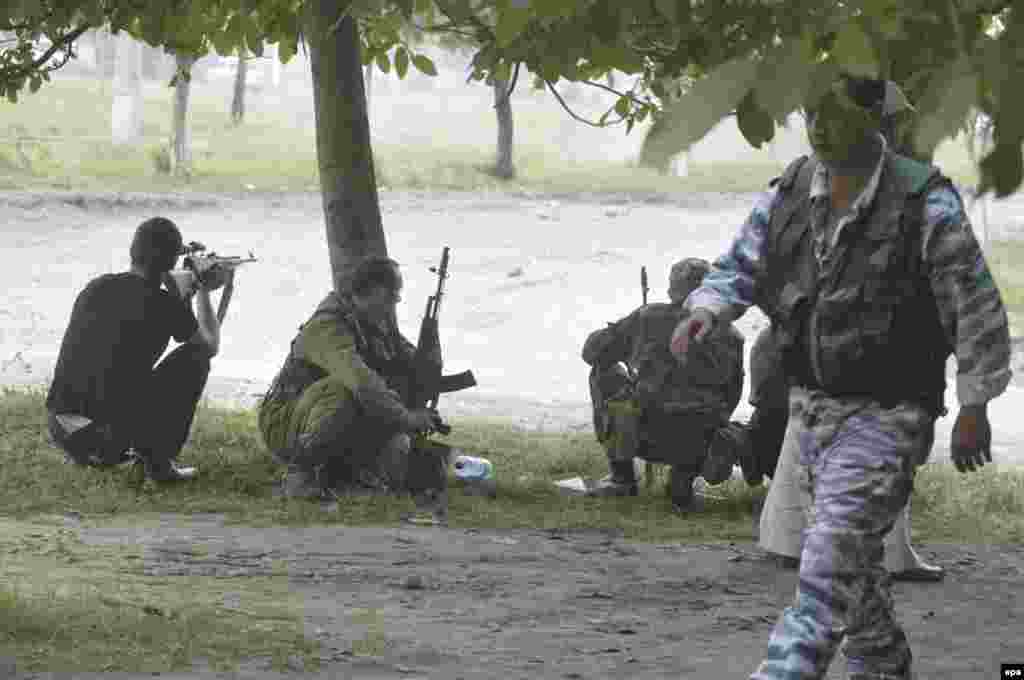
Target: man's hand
[
  {"x": 216, "y": 277},
  {"x": 971, "y": 445},
  {"x": 180, "y": 281},
  {"x": 424, "y": 420},
  {"x": 693, "y": 328}
]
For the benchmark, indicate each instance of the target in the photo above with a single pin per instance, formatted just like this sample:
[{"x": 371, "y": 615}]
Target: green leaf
[
  {"x": 424, "y": 65},
  {"x": 401, "y": 61},
  {"x": 502, "y": 72},
  {"x": 287, "y": 48},
  {"x": 783, "y": 78},
  {"x": 955, "y": 96},
  {"x": 383, "y": 63},
  {"x": 511, "y": 22},
  {"x": 853, "y": 51},
  {"x": 406, "y": 7},
  {"x": 689, "y": 118},
  {"x": 1002, "y": 169},
  {"x": 757, "y": 125},
  {"x": 254, "y": 37},
  {"x": 622, "y": 106},
  {"x": 668, "y": 9}
]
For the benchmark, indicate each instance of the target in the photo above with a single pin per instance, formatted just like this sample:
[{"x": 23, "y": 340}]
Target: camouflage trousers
[
  {"x": 326, "y": 430},
  {"x": 856, "y": 462}
]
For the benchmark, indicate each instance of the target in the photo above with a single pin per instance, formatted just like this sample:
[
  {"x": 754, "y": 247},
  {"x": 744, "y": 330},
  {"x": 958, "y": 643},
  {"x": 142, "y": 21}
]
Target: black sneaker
[{"x": 680, "y": 488}]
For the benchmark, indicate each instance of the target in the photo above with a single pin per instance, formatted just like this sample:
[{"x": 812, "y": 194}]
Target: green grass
[
  {"x": 67, "y": 606},
  {"x": 238, "y": 475}
]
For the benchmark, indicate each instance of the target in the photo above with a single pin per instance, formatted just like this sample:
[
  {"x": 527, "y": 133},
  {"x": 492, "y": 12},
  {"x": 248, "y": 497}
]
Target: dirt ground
[
  {"x": 457, "y": 603},
  {"x": 460, "y": 603}
]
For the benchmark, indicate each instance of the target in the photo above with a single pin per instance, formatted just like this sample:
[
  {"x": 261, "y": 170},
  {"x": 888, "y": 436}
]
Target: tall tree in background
[
  {"x": 504, "y": 166},
  {"x": 238, "y": 93},
  {"x": 126, "y": 91},
  {"x": 181, "y": 141}
]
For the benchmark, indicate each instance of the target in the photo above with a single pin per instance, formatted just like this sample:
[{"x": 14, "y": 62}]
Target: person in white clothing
[{"x": 782, "y": 520}]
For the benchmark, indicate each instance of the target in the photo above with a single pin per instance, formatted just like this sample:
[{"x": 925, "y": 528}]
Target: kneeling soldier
[
  {"x": 334, "y": 413},
  {"x": 656, "y": 407}
]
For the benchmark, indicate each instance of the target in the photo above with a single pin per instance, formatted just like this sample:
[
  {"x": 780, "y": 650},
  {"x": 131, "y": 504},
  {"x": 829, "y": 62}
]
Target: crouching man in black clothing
[{"x": 107, "y": 395}]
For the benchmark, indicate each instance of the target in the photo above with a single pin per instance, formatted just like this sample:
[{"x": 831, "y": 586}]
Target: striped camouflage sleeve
[
  {"x": 968, "y": 300},
  {"x": 731, "y": 285}
]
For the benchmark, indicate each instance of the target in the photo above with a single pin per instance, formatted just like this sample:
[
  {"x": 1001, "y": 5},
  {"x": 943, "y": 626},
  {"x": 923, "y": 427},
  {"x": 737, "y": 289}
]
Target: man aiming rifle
[{"x": 109, "y": 396}]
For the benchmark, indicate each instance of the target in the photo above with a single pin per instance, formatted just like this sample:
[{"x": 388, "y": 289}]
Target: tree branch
[
  {"x": 64, "y": 42},
  {"x": 577, "y": 117},
  {"x": 613, "y": 90}
]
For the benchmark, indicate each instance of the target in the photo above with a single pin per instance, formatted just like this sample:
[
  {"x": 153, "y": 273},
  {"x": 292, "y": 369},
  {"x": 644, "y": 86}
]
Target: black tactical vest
[
  {"x": 864, "y": 322},
  {"x": 387, "y": 353}
]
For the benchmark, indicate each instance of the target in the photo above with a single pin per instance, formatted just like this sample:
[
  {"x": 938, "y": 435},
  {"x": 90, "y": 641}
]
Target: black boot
[
  {"x": 621, "y": 481},
  {"x": 680, "y": 488}
]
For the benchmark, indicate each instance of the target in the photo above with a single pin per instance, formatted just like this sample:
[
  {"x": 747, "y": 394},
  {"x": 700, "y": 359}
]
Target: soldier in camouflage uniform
[
  {"x": 649, "y": 405},
  {"x": 867, "y": 265},
  {"x": 334, "y": 413}
]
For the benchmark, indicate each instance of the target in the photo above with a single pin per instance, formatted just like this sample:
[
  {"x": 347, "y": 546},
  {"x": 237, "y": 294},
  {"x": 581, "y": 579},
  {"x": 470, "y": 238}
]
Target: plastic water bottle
[{"x": 477, "y": 474}]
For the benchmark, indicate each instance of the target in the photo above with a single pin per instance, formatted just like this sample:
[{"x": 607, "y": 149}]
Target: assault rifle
[
  {"x": 649, "y": 467},
  {"x": 202, "y": 263},
  {"x": 427, "y": 383}
]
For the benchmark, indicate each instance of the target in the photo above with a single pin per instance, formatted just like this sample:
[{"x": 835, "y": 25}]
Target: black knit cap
[
  {"x": 157, "y": 244},
  {"x": 866, "y": 92}
]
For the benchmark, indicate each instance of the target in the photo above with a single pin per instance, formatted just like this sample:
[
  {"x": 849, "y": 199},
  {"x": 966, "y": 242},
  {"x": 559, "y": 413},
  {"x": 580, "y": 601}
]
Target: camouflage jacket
[
  {"x": 373, "y": 362},
  {"x": 969, "y": 309},
  {"x": 710, "y": 380}
]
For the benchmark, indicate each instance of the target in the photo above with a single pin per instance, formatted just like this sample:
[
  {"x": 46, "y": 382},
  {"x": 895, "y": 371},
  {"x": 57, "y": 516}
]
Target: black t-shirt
[{"x": 120, "y": 325}]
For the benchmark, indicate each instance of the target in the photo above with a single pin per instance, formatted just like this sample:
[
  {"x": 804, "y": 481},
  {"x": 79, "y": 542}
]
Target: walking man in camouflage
[
  {"x": 867, "y": 265},
  {"x": 649, "y": 405}
]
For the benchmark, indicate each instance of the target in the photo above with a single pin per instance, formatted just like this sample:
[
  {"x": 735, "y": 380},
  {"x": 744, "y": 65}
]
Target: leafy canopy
[{"x": 692, "y": 61}]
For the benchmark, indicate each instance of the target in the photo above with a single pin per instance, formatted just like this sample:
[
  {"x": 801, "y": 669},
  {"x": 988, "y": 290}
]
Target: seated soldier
[
  {"x": 782, "y": 519},
  {"x": 655, "y": 407},
  {"x": 334, "y": 414}
]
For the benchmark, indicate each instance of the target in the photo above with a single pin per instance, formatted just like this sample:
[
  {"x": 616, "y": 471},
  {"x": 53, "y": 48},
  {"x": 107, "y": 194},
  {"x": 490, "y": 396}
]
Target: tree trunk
[
  {"x": 651, "y": 155},
  {"x": 504, "y": 167},
  {"x": 347, "y": 180},
  {"x": 126, "y": 103},
  {"x": 182, "y": 143},
  {"x": 368, "y": 79},
  {"x": 238, "y": 99}
]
